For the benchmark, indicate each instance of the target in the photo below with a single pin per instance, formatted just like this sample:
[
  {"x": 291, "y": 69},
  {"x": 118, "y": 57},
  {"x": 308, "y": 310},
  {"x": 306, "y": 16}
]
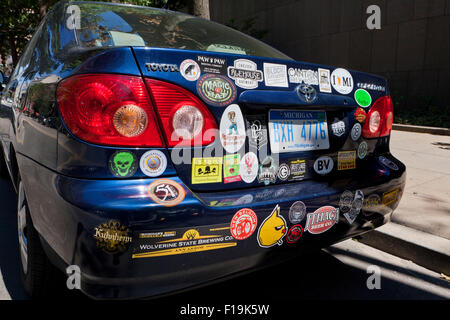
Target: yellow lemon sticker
[{"x": 272, "y": 229}]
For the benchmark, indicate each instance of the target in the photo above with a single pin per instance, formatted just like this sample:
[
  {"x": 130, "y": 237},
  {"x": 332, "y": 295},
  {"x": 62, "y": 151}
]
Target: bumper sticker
[
  {"x": 321, "y": 220},
  {"x": 346, "y": 160},
  {"x": 183, "y": 241},
  {"x": 231, "y": 168},
  {"x": 207, "y": 170},
  {"x": 390, "y": 197},
  {"x": 272, "y": 229},
  {"x": 112, "y": 237},
  {"x": 243, "y": 224},
  {"x": 294, "y": 234}
]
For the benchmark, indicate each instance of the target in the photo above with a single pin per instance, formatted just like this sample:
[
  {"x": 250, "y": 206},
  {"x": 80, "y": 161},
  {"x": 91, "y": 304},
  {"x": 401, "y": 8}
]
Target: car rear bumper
[{"x": 68, "y": 212}]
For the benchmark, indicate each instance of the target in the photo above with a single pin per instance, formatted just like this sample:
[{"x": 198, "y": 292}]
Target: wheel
[{"x": 38, "y": 274}]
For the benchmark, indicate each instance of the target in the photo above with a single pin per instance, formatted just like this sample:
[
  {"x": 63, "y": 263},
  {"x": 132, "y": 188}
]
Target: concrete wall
[{"x": 412, "y": 49}]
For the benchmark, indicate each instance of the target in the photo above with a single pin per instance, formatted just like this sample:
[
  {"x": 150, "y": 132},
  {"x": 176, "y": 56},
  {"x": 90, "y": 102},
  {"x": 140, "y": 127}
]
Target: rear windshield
[{"x": 109, "y": 25}]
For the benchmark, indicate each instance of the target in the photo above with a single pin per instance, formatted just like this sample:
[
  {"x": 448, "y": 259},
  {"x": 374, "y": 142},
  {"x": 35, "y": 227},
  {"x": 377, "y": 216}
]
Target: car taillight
[
  {"x": 379, "y": 119},
  {"x": 185, "y": 119},
  {"x": 109, "y": 110}
]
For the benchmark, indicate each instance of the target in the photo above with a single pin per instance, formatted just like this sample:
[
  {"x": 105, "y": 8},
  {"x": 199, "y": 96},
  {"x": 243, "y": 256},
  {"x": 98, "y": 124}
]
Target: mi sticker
[
  {"x": 272, "y": 230},
  {"x": 342, "y": 81},
  {"x": 207, "y": 170},
  {"x": 123, "y": 164}
]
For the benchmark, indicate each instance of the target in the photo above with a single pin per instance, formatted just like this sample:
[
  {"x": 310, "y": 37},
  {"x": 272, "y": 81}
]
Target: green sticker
[
  {"x": 231, "y": 168},
  {"x": 123, "y": 164},
  {"x": 363, "y": 98}
]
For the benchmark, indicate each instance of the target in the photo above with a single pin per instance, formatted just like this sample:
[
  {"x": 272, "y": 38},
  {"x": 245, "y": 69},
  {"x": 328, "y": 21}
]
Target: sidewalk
[
  {"x": 426, "y": 201},
  {"x": 420, "y": 227}
]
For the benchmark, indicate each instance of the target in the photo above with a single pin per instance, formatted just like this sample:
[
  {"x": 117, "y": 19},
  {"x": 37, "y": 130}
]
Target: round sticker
[
  {"x": 294, "y": 234},
  {"x": 360, "y": 115},
  {"x": 243, "y": 224},
  {"x": 283, "y": 172},
  {"x": 123, "y": 164},
  {"x": 297, "y": 212},
  {"x": 216, "y": 90},
  {"x": 166, "y": 192},
  {"x": 153, "y": 163},
  {"x": 190, "y": 70},
  {"x": 249, "y": 167},
  {"x": 363, "y": 98},
  {"x": 342, "y": 81},
  {"x": 323, "y": 165},
  {"x": 356, "y": 132},
  {"x": 362, "y": 150},
  {"x": 232, "y": 129}
]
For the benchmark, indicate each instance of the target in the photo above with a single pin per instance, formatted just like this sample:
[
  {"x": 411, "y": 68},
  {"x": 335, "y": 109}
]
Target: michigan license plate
[{"x": 293, "y": 130}]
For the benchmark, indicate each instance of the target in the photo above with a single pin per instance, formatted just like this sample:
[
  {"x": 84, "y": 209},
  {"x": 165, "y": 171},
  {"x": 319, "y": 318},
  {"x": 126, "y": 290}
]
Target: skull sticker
[{"x": 123, "y": 164}]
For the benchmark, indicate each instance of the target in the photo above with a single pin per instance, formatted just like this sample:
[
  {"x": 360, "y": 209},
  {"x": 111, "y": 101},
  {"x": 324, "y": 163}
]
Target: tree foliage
[{"x": 20, "y": 18}]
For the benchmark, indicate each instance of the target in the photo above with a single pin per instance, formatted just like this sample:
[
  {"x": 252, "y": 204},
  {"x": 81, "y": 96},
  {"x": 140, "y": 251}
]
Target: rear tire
[{"x": 38, "y": 274}]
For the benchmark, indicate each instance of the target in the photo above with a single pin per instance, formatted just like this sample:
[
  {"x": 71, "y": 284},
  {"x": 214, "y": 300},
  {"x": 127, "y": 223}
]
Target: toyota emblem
[{"x": 307, "y": 93}]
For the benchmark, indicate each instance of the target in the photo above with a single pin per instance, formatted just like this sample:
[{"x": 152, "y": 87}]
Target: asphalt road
[{"x": 339, "y": 272}]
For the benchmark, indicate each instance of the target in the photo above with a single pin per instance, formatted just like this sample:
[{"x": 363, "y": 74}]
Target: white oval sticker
[
  {"x": 323, "y": 165},
  {"x": 249, "y": 167},
  {"x": 342, "y": 81},
  {"x": 153, "y": 163},
  {"x": 232, "y": 129}
]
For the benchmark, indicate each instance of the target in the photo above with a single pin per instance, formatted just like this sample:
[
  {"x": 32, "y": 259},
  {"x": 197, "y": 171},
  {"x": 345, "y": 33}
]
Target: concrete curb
[
  {"x": 424, "y": 249},
  {"x": 421, "y": 129}
]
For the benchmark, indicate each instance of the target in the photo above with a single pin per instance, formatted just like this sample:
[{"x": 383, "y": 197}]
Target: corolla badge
[
  {"x": 307, "y": 93},
  {"x": 272, "y": 230}
]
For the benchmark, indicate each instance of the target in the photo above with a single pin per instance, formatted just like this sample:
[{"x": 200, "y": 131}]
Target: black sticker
[{"x": 212, "y": 65}]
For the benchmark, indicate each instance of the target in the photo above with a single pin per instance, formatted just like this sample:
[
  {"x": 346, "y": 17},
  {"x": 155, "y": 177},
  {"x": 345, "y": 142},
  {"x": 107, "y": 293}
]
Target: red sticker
[
  {"x": 243, "y": 224},
  {"x": 322, "y": 219},
  {"x": 360, "y": 115},
  {"x": 294, "y": 234}
]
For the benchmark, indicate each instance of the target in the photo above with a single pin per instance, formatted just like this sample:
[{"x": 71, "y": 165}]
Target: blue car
[{"x": 154, "y": 151}]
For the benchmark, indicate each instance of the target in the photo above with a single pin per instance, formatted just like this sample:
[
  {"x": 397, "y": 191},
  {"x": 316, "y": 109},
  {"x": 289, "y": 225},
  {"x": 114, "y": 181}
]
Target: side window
[{"x": 24, "y": 60}]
